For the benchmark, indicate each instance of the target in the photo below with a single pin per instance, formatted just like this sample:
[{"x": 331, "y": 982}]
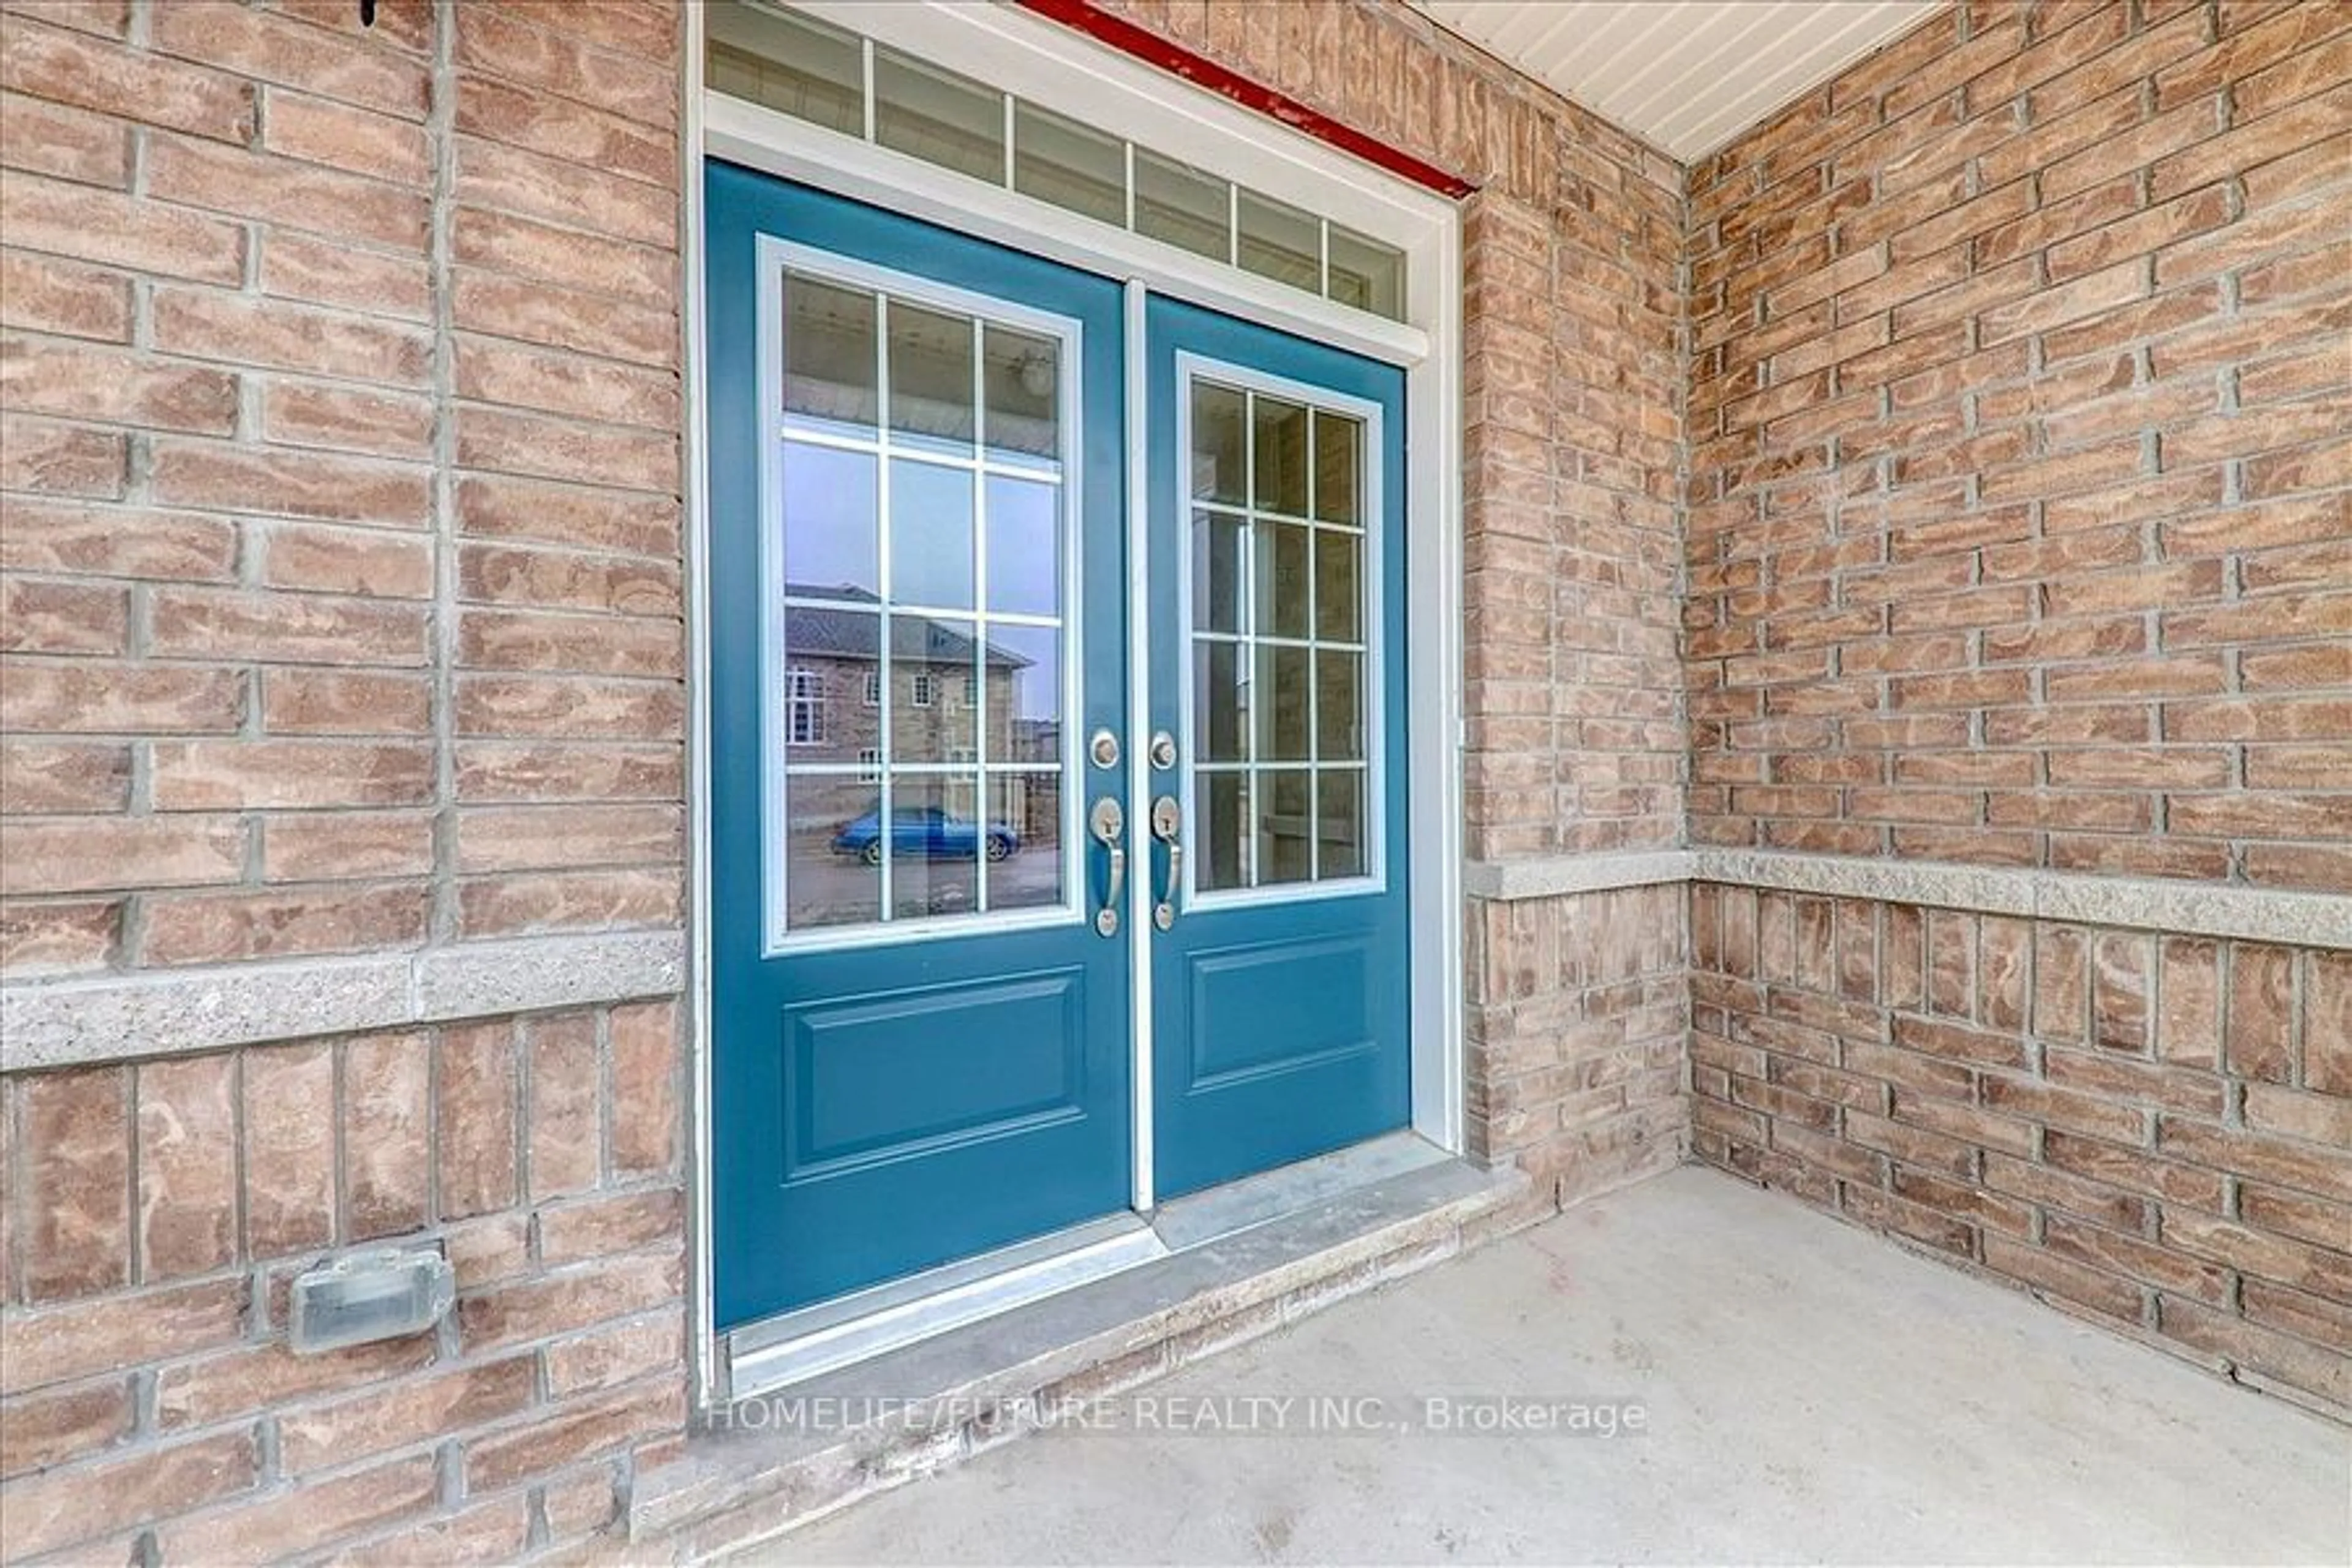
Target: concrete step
[{"x": 777, "y": 1461}]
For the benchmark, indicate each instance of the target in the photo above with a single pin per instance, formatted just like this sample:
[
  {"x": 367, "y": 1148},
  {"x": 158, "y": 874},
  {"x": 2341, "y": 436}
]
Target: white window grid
[
  {"x": 1247, "y": 641},
  {"x": 968, "y": 779}
]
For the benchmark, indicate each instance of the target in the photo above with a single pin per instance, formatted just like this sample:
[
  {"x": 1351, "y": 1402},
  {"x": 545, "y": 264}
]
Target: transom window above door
[
  {"x": 781, "y": 59},
  {"x": 920, "y": 606}
]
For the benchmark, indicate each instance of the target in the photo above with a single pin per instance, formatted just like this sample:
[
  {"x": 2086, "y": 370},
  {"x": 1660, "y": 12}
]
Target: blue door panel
[
  {"x": 917, "y": 1040},
  {"x": 1280, "y": 1029},
  {"x": 1280, "y": 1006},
  {"x": 882, "y": 1109}
]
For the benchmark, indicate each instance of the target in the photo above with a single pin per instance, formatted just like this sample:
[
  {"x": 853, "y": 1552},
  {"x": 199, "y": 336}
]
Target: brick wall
[
  {"x": 2149, "y": 1131},
  {"x": 1578, "y": 1010},
  {"x": 1573, "y": 346},
  {"x": 2021, "y": 534},
  {"x": 342, "y": 576},
  {"x": 2020, "y": 501},
  {"x": 157, "y": 1212},
  {"x": 340, "y": 587}
]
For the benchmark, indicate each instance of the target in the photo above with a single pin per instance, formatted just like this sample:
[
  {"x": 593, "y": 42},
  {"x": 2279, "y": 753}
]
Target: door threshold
[
  {"x": 769, "y": 1463},
  {"x": 809, "y": 1342}
]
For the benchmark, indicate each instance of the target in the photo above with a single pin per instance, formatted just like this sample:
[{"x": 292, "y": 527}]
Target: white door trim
[
  {"x": 1077, "y": 76},
  {"x": 1143, "y": 1184}
]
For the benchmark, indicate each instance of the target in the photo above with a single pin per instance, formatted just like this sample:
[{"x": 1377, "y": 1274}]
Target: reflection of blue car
[{"x": 924, "y": 830}]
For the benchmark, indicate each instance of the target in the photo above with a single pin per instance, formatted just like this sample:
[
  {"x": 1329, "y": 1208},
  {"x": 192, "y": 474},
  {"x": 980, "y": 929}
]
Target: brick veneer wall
[
  {"x": 158, "y": 1211},
  {"x": 2021, "y": 501},
  {"x": 340, "y": 578},
  {"x": 2020, "y": 535},
  {"x": 2150, "y": 1131},
  {"x": 343, "y": 554}
]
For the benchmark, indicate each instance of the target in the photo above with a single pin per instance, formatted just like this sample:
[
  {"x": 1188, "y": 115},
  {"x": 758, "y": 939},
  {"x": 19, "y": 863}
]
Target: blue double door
[{"x": 1042, "y": 745}]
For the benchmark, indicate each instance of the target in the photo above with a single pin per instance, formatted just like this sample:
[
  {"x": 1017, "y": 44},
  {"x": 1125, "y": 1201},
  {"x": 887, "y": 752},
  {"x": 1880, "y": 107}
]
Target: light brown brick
[
  {"x": 39, "y": 1430},
  {"x": 229, "y": 927},
  {"x": 85, "y": 854},
  {"x": 296, "y": 1518},
  {"x": 63, "y": 459},
  {"x": 213, "y": 775},
  {"x": 477, "y": 1088},
  {"x": 64, "y": 66},
  {"x": 645, "y": 1118},
  {"x": 85, "y": 223},
  {"x": 78, "y": 382},
  {"x": 187, "y": 1147},
  {"x": 110, "y": 1332},
  {"x": 62, "y": 1507},
  {"x": 399, "y": 1414},
  {"x": 565, "y": 1076},
  {"x": 290, "y": 1149},
  {"x": 385, "y": 1103},
  {"x": 340, "y": 847},
  {"x": 47, "y": 295},
  {"x": 290, "y": 628}
]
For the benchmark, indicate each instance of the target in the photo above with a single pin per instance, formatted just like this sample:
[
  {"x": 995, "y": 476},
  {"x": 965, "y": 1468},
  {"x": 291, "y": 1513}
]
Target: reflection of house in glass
[{"x": 944, "y": 682}]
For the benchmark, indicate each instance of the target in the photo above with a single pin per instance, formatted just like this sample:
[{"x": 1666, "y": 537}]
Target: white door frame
[{"x": 1077, "y": 76}]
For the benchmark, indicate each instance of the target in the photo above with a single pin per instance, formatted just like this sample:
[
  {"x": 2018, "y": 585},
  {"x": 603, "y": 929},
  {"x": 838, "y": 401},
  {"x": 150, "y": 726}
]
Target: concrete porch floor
[{"x": 1811, "y": 1394}]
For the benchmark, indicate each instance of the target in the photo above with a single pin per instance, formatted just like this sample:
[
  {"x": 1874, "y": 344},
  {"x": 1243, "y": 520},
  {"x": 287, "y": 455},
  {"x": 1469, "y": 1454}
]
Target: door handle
[
  {"x": 1108, "y": 824},
  {"x": 1167, "y": 821}
]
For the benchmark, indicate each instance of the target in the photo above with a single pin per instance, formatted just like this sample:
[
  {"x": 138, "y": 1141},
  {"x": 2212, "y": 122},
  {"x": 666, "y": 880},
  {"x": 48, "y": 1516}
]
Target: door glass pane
[
  {"x": 1338, "y": 447},
  {"x": 1072, "y": 165},
  {"x": 936, "y": 844},
  {"x": 934, "y": 713},
  {"x": 1024, "y": 395},
  {"x": 1283, "y": 732},
  {"x": 832, "y": 851},
  {"x": 1280, "y": 716},
  {"x": 1219, "y": 444},
  {"x": 1224, "y": 830},
  {"x": 924, "y": 622},
  {"x": 1338, "y": 705},
  {"x": 1280, "y": 456},
  {"x": 1367, "y": 274},
  {"x": 1025, "y": 844},
  {"x": 832, "y": 533},
  {"x": 1339, "y": 589},
  {"x": 930, "y": 535},
  {"x": 1219, "y": 574},
  {"x": 1220, "y": 702},
  {"x": 1022, "y": 695},
  {"x": 1025, "y": 547},
  {"x": 831, "y": 649},
  {"x": 931, "y": 382},
  {"x": 1340, "y": 822},
  {"x": 829, "y": 359},
  {"x": 939, "y": 116},
  {"x": 1285, "y": 829},
  {"x": 1282, "y": 579}
]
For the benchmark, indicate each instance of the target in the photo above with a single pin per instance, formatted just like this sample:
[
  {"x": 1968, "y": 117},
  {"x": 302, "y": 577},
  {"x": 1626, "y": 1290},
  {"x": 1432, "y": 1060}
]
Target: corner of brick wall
[{"x": 2020, "y": 535}]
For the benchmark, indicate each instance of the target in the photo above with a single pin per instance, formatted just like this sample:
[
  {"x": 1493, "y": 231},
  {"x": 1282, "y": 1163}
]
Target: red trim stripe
[{"x": 1130, "y": 40}]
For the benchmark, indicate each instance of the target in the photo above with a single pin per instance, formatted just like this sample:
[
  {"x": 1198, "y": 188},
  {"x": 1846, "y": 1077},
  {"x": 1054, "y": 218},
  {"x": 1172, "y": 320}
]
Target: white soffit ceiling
[{"x": 1688, "y": 74}]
